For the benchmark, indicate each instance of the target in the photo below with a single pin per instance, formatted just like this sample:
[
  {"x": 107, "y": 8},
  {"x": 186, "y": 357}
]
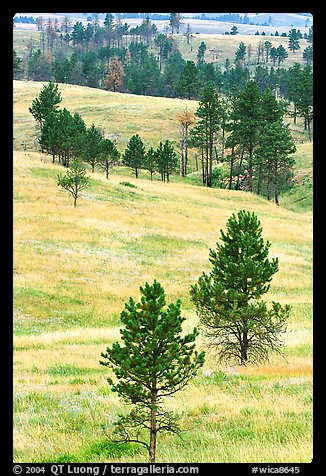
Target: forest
[{"x": 142, "y": 60}]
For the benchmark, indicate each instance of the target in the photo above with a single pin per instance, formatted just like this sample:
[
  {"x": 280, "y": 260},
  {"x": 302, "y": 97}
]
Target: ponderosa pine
[
  {"x": 233, "y": 318},
  {"x": 152, "y": 361}
]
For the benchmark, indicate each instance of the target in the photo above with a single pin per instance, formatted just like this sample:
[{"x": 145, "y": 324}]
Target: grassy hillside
[
  {"x": 220, "y": 46},
  {"x": 282, "y": 22},
  {"x": 154, "y": 118},
  {"x": 212, "y": 33},
  {"x": 21, "y": 39},
  {"x": 74, "y": 268}
]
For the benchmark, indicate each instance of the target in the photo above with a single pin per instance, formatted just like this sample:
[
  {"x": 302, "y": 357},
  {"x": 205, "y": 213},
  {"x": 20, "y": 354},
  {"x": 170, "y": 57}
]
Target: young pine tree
[
  {"x": 152, "y": 361},
  {"x": 91, "y": 145},
  {"x": 150, "y": 162},
  {"x": 134, "y": 154},
  {"x": 75, "y": 179},
  {"x": 108, "y": 155},
  {"x": 234, "y": 319},
  {"x": 166, "y": 160}
]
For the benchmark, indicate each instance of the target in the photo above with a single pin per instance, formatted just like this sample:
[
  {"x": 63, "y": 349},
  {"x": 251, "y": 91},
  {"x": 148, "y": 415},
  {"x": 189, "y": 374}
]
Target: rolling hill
[{"x": 74, "y": 268}]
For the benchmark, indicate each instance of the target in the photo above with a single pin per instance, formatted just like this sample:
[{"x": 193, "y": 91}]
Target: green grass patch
[{"x": 127, "y": 184}]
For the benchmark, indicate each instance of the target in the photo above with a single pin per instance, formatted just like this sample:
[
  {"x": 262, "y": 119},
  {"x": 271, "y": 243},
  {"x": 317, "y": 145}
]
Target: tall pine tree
[
  {"x": 209, "y": 122},
  {"x": 153, "y": 360},
  {"x": 234, "y": 319},
  {"x": 47, "y": 101}
]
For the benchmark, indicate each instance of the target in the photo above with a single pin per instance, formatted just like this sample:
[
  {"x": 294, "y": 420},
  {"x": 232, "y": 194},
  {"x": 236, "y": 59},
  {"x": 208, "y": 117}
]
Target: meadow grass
[
  {"x": 220, "y": 47},
  {"x": 153, "y": 118},
  {"x": 74, "y": 268},
  {"x": 69, "y": 292},
  {"x": 21, "y": 39}
]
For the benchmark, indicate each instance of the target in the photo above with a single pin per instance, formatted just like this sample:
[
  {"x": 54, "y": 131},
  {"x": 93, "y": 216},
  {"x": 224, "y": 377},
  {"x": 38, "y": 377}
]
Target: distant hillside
[
  {"x": 273, "y": 19},
  {"x": 154, "y": 119},
  {"x": 202, "y": 24}
]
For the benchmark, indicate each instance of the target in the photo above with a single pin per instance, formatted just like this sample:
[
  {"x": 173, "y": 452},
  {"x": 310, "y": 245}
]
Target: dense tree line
[
  {"x": 24, "y": 19},
  {"x": 245, "y": 130},
  {"x": 140, "y": 60},
  {"x": 249, "y": 124},
  {"x": 137, "y": 70}
]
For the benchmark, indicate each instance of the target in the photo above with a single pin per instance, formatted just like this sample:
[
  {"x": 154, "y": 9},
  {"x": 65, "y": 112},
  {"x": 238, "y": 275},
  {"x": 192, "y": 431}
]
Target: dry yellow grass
[
  {"x": 153, "y": 118},
  {"x": 74, "y": 268},
  {"x": 220, "y": 46}
]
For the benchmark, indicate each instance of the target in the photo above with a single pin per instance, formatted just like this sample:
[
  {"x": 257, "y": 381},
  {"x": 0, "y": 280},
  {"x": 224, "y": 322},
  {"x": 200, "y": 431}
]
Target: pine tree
[
  {"x": 273, "y": 157},
  {"x": 68, "y": 143},
  {"x": 175, "y": 22},
  {"x": 209, "y": 118},
  {"x": 150, "y": 161},
  {"x": 282, "y": 54},
  {"x": 234, "y": 319},
  {"x": 107, "y": 156},
  {"x": 47, "y": 101},
  {"x": 49, "y": 139},
  {"x": 240, "y": 54},
  {"x": 308, "y": 55},
  {"x": 75, "y": 179},
  {"x": 91, "y": 145},
  {"x": 17, "y": 66},
  {"x": 294, "y": 37},
  {"x": 188, "y": 81},
  {"x": 247, "y": 121},
  {"x": 152, "y": 361},
  {"x": 305, "y": 98},
  {"x": 134, "y": 154},
  {"x": 166, "y": 160},
  {"x": 274, "y": 146},
  {"x": 201, "y": 54}
]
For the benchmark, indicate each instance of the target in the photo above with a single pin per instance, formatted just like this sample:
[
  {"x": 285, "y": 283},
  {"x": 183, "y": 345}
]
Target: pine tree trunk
[
  {"x": 269, "y": 184},
  {"x": 238, "y": 178},
  {"x": 309, "y": 130},
  {"x": 276, "y": 188},
  {"x": 260, "y": 177},
  {"x": 152, "y": 440},
  {"x": 223, "y": 143},
  {"x": 244, "y": 348},
  {"x": 203, "y": 166},
  {"x": 250, "y": 168},
  {"x": 231, "y": 168}
]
